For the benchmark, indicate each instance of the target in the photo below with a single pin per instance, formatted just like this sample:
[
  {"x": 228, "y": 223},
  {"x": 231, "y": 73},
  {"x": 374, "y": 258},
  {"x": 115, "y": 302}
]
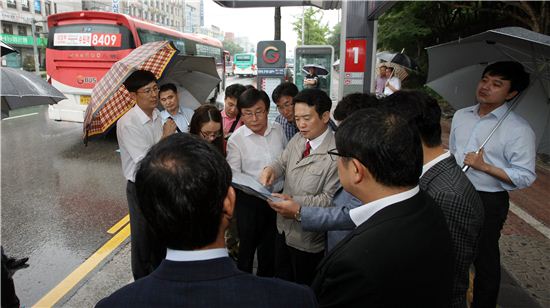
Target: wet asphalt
[{"x": 58, "y": 198}]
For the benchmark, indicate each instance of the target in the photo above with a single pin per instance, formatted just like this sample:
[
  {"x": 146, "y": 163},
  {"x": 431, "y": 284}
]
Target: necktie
[{"x": 306, "y": 152}]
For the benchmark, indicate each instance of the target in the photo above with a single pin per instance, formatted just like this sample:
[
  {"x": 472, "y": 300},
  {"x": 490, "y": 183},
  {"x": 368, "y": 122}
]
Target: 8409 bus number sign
[
  {"x": 106, "y": 40},
  {"x": 88, "y": 39}
]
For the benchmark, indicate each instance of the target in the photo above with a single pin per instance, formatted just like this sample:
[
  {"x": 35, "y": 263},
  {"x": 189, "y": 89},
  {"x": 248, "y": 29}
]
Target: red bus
[{"x": 82, "y": 47}]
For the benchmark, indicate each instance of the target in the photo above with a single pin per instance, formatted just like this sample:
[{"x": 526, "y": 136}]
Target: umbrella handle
[{"x": 466, "y": 167}]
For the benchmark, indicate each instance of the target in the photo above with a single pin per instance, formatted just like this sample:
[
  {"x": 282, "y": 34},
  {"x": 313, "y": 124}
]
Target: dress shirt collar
[
  {"x": 195, "y": 255},
  {"x": 362, "y": 213},
  {"x": 143, "y": 117},
  {"x": 498, "y": 113},
  {"x": 315, "y": 143},
  {"x": 167, "y": 114},
  {"x": 434, "y": 161},
  {"x": 247, "y": 131}
]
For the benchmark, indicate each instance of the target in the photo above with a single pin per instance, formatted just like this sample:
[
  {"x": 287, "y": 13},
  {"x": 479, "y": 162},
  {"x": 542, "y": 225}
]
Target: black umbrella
[
  {"x": 319, "y": 69},
  {"x": 6, "y": 49},
  {"x": 24, "y": 89},
  {"x": 398, "y": 58}
]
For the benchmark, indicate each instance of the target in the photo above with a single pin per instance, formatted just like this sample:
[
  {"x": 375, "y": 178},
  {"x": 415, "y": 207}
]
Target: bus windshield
[
  {"x": 90, "y": 37},
  {"x": 243, "y": 58}
]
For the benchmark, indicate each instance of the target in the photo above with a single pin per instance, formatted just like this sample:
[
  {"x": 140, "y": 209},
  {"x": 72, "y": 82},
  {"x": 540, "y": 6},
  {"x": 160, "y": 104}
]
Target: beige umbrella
[{"x": 398, "y": 70}]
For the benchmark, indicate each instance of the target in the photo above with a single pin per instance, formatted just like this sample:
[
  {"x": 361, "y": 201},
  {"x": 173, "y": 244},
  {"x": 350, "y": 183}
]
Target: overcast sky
[{"x": 258, "y": 23}]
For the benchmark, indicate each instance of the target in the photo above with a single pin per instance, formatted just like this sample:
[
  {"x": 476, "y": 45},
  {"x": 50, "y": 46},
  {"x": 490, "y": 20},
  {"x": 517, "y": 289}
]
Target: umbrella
[
  {"x": 198, "y": 75},
  {"x": 319, "y": 69},
  {"x": 110, "y": 100},
  {"x": 398, "y": 70},
  {"x": 6, "y": 49},
  {"x": 398, "y": 58},
  {"x": 456, "y": 67},
  {"x": 24, "y": 89}
]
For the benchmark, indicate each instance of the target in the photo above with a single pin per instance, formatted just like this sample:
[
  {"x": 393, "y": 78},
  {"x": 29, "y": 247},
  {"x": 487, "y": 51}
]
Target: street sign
[
  {"x": 271, "y": 61},
  {"x": 356, "y": 56}
]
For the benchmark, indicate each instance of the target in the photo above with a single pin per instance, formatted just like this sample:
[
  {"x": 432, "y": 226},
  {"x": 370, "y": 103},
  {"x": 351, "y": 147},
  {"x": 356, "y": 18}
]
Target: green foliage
[
  {"x": 315, "y": 32},
  {"x": 232, "y": 47},
  {"x": 414, "y": 25},
  {"x": 334, "y": 39}
]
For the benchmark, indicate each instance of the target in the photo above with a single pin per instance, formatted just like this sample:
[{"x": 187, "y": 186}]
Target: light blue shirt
[
  {"x": 182, "y": 118},
  {"x": 511, "y": 148}
]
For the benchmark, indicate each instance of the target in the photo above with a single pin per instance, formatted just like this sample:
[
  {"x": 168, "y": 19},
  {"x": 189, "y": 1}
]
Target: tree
[
  {"x": 315, "y": 32},
  {"x": 232, "y": 47},
  {"x": 415, "y": 25},
  {"x": 334, "y": 39}
]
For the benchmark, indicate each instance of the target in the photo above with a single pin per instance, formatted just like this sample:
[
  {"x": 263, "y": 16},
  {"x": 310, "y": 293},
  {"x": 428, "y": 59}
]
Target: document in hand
[{"x": 249, "y": 185}]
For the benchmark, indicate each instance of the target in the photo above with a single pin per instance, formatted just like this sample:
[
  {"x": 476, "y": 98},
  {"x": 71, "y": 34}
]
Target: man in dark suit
[
  {"x": 183, "y": 188},
  {"x": 445, "y": 182},
  {"x": 399, "y": 255}
]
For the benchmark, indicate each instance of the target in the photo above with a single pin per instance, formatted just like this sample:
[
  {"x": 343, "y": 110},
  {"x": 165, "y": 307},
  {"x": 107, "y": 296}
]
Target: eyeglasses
[
  {"x": 333, "y": 153},
  {"x": 251, "y": 114},
  {"x": 154, "y": 90},
  {"x": 212, "y": 135}
]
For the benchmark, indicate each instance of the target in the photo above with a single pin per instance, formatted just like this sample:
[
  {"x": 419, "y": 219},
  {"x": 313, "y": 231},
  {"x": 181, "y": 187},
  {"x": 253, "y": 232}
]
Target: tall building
[
  {"x": 166, "y": 13},
  {"x": 16, "y": 18},
  {"x": 193, "y": 17}
]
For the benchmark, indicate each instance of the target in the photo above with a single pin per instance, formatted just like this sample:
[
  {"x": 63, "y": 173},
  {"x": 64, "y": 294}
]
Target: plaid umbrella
[
  {"x": 398, "y": 70},
  {"x": 110, "y": 99}
]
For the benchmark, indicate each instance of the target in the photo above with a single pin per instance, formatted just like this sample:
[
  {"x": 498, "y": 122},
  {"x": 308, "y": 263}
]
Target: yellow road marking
[
  {"x": 114, "y": 229},
  {"x": 79, "y": 273}
]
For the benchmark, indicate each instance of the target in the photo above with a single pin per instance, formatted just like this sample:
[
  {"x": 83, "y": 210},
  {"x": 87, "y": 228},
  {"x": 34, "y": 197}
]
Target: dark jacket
[
  {"x": 400, "y": 257},
  {"x": 209, "y": 283},
  {"x": 461, "y": 205}
]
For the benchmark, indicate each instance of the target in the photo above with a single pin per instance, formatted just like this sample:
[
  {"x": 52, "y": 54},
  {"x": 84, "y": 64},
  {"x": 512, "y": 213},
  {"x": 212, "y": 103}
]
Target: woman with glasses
[{"x": 207, "y": 124}]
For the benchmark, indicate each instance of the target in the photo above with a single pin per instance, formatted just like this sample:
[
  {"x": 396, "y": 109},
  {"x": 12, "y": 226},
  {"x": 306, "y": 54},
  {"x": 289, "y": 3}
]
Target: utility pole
[
  {"x": 35, "y": 46},
  {"x": 277, "y": 23}
]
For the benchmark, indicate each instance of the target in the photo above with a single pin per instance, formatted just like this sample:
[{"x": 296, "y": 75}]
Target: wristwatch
[{"x": 298, "y": 215}]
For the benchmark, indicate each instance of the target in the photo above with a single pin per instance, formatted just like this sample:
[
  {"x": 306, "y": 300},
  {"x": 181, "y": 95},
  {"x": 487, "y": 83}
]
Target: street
[{"x": 58, "y": 198}]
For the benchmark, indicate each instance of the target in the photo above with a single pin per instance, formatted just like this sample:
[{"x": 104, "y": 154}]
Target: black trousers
[
  {"x": 487, "y": 260},
  {"x": 293, "y": 264},
  {"x": 147, "y": 252},
  {"x": 256, "y": 228}
]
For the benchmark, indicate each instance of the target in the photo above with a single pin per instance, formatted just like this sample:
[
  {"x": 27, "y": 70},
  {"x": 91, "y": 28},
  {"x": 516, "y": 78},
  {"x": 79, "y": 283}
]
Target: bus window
[
  {"x": 90, "y": 37},
  {"x": 210, "y": 51},
  {"x": 147, "y": 36}
]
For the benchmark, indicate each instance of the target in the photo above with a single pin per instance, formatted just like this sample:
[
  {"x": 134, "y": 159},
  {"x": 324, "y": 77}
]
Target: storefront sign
[{"x": 22, "y": 40}]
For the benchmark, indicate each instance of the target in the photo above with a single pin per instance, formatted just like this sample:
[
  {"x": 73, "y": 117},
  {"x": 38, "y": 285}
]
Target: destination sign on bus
[{"x": 87, "y": 39}]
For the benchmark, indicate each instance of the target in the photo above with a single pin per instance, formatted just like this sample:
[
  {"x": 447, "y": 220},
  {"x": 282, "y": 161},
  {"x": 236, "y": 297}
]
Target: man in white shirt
[
  {"x": 169, "y": 99},
  {"x": 139, "y": 129},
  {"x": 251, "y": 147},
  {"x": 507, "y": 162},
  {"x": 191, "y": 221},
  {"x": 393, "y": 84},
  {"x": 399, "y": 254}
]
